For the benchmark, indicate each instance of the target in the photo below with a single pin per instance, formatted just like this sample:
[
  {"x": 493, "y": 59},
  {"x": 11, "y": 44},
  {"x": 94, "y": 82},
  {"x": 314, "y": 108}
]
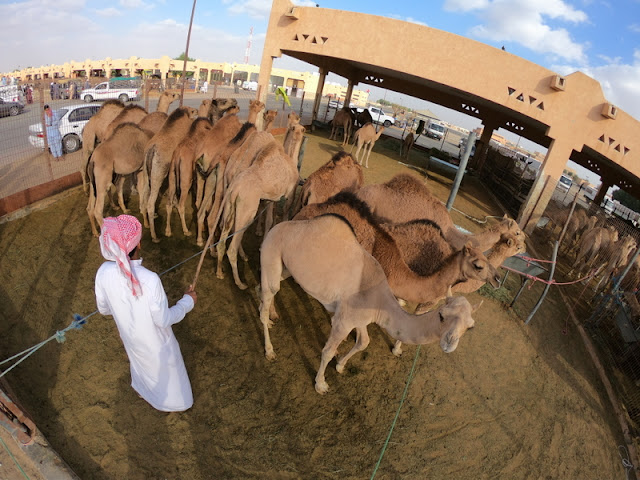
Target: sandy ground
[{"x": 514, "y": 401}]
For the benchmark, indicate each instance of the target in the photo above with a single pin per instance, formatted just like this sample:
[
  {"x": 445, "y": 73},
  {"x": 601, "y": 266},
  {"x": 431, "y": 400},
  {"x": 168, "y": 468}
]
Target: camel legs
[
  {"x": 367, "y": 149},
  {"x": 102, "y": 181},
  {"x": 362, "y": 342},
  {"x": 205, "y": 204},
  {"x": 338, "y": 333},
  {"x": 157, "y": 178},
  {"x": 271, "y": 271},
  {"x": 245, "y": 212}
]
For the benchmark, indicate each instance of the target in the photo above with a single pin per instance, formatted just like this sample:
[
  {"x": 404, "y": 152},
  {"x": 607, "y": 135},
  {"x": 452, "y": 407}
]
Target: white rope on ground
[
  {"x": 79, "y": 321},
  {"x": 626, "y": 463}
]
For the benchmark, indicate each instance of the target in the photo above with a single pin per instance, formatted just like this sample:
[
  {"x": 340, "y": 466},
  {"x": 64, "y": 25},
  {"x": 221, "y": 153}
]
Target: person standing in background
[{"x": 52, "y": 124}]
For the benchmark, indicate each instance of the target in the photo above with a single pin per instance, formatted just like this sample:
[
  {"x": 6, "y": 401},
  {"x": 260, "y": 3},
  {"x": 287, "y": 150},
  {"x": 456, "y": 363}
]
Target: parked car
[
  {"x": 564, "y": 183},
  {"x": 72, "y": 122},
  {"x": 10, "y": 108},
  {"x": 251, "y": 86}
]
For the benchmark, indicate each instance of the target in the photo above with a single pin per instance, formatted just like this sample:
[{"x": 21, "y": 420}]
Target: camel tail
[
  {"x": 148, "y": 159},
  {"x": 90, "y": 176}
]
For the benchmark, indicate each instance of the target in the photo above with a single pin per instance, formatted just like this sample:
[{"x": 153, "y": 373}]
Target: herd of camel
[
  {"x": 357, "y": 249},
  {"x": 596, "y": 248}
]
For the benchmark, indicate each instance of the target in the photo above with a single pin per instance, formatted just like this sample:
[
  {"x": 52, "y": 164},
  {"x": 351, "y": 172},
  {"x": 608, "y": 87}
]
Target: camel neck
[{"x": 408, "y": 328}]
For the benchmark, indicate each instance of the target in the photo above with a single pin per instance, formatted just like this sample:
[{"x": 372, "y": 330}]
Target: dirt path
[{"x": 512, "y": 402}]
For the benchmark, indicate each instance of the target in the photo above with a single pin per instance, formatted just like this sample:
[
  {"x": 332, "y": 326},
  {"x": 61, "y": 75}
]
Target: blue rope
[
  {"x": 14, "y": 459},
  {"x": 79, "y": 321},
  {"x": 393, "y": 424}
]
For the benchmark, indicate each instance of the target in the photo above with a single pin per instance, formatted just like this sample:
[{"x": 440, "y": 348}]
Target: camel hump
[
  {"x": 407, "y": 183},
  {"x": 246, "y": 127},
  {"x": 424, "y": 223}
]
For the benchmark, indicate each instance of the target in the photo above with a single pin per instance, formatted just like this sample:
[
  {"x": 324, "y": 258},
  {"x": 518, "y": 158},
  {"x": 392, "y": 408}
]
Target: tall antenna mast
[{"x": 248, "y": 51}]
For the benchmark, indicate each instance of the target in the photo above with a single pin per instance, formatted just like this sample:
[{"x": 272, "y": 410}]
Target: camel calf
[{"x": 325, "y": 259}]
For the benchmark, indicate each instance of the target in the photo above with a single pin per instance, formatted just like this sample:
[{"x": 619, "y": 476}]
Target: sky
[{"x": 599, "y": 38}]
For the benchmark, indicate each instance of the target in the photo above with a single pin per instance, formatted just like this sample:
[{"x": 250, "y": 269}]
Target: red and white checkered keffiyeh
[{"x": 118, "y": 237}]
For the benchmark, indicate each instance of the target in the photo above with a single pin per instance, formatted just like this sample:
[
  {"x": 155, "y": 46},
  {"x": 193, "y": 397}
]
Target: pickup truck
[
  {"x": 379, "y": 116},
  {"x": 435, "y": 130},
  {"x": 107, "y": 91}
]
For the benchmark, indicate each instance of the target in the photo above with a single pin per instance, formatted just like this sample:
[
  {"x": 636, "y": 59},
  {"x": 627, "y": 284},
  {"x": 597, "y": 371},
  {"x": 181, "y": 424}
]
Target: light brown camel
[
  {"x": 407, "y": 145},
  {"x": 136, "y": 114},
  {"x": 341, "y": 173},
  {"x": 203, "y": 109},
  {"x": 272, "y": 175},
  {"x": 343, "y": 118},
  {"x": 292, "y": 119},
  {"x": 242, "y": 148},
  {"x": 324, "y": 258},
  {"x": 405, "y": 198},
  {"x": 448, "y": 267},
  {"x": 122, "y": 154},
  {"x": 593, "y": 243},
  {"x": 365, "y": 138},
  {"x": 157, "y": 158},
  {"x": 181, "y": 171},
  {"x": 268, "y": 117},
  {"x": 94, "y": 132},
  {"x": 620, "y": 254},
  {"x": 212, "y": 158}
]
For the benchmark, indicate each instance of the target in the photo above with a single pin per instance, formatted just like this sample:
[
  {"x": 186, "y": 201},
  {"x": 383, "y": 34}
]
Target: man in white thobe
[{"x": 136, "y": 299}]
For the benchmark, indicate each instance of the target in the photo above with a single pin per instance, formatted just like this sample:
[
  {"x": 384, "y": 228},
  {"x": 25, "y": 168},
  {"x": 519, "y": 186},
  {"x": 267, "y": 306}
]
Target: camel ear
[
  {"x": 505, "y": 216},
  {"x": 467, "y": 247},
  {"x": 473, "y": 309},
  {"x": 449, "y": 292},
  {"x": 510, "y": 242}
]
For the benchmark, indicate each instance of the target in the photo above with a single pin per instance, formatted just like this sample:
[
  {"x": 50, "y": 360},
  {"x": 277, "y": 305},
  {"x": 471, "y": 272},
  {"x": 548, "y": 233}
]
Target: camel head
[
  {"x": 475, "y": 266},
  {"x": 509, "y": 225},
  {"x": 269, "y": 116},
  {"x": 514, "y": 244},
  {"x": 455, "y": 320},
  {"x": 256, "y": 106},
  {"x": 191, "y": 112},
  {"x": 292, "y": 119},
  {"x": 232, "y": 111},
  {"x": 219, "y": 106},
  {"x": 205, "y": 105}
]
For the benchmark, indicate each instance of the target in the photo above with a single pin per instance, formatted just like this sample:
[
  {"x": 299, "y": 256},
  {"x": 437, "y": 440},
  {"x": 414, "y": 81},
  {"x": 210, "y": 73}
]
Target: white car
[{"x": 72, "y": 122}]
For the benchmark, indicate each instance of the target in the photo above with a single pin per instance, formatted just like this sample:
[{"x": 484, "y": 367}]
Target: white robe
[{"x": 158, "y": 373}]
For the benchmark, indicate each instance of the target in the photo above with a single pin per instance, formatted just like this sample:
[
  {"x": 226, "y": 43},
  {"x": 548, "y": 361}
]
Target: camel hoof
[
  {"x": 272, "y": 317},
  {"x": 397, "y": 351},
  {"x": 155, "y": 240},
  {"x": 186, "y": 233},
  {"x": 220, "y": 276},
  {"x": 200, "y": 243},
  {"x": 339, "y": 367},
  {"x": 270, "y": 355},
  {"x": 242, "y": 286},
  {"x": 322, "y": 388}
]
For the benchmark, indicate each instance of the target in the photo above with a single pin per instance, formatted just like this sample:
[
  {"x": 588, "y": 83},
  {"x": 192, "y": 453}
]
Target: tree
[
  {"x": 181, "y": 57},
  {"x": 627, "y": 200}
]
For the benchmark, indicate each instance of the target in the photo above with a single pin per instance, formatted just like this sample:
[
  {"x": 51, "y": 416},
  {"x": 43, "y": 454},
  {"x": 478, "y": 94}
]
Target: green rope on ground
[
  {"x": 393, "y": 424},
  {"x": 14, "y": 459}
]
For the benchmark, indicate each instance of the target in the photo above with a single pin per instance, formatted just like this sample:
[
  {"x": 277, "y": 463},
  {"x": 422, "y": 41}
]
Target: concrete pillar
[
  {"x": 607, "y": 182},
  {"x": 318, "y": 99},
  {"x": 483, "y": 143},
  {"x": 542, "y": 190},
  {"x": 263, "y": 85},
  {"x": 347, "y": 98}
]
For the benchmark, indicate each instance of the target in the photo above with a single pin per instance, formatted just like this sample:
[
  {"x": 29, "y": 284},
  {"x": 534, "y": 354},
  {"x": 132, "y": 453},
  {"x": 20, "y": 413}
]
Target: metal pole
[
  {"x": 302, "y": 103},
  {"x": 186, "y": 54},
  {"x": 460, "y": 173},
  {"x": 546, "y": 289}
]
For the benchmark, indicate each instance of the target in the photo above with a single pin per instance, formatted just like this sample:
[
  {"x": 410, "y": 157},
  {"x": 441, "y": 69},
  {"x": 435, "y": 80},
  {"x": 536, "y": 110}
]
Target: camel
[
  {"x": 449, "y": 267},
  {"x": 292, "y": 119},
  {"x": 268, "y": 117},
  {"x": 122, "y": 154},
  {"x": 405, "y": 198},
  {"x": 181, "y": 172},
  {"x": 272, "y": 175},
  {"x": 593, "y": 244},
  {"x": 362, "y": 118},
  {"x": 343, "y": 118},
  {"x": 136, "y": 114},
  {"x": 350, "y": 284},
  {"x": 212, "y": 157},
  {"x": 94, "y": 132},
  {"x": 340, "y": 173},
  {"x": 620, "y": 254},
  {"x": 366, "y": 137},
  {"x": 157, "y": 157},
  {"x": 218, "y": 107},
  {"x": 203, "y": 109},
  {"x": 406, "y": 146}
]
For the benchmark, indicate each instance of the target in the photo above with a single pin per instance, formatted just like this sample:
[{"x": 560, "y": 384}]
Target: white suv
[{"x": 72, "y": 122}]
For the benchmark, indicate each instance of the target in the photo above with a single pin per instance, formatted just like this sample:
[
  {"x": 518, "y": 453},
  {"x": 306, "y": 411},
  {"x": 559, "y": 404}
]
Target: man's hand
[{"x": 192, "y": 293}]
